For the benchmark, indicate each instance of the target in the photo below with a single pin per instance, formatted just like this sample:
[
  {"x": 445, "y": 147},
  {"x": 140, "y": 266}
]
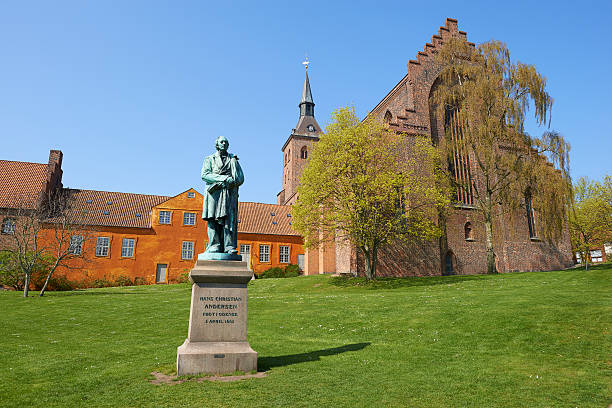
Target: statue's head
[{"x": 222, "y": 144}]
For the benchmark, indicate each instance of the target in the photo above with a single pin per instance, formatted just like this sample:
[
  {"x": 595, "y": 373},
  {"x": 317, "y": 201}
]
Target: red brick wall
[
  {"x": 293, "y": 167},
  {"x": 408, "y": 102}
]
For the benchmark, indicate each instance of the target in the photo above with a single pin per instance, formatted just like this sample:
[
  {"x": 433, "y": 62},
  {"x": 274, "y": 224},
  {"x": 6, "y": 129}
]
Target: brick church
[{"x": 461, "y": 250}]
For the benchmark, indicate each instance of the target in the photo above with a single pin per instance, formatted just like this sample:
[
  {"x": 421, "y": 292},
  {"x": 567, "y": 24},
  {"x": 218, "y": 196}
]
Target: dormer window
[{"x": 191, "y": 194}]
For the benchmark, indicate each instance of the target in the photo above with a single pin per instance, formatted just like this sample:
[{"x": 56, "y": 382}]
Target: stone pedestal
[{"x": 217, "y": 338}]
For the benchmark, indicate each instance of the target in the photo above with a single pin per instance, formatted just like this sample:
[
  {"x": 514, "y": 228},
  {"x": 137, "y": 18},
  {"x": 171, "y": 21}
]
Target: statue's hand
[{"x": 228, "y": 182}]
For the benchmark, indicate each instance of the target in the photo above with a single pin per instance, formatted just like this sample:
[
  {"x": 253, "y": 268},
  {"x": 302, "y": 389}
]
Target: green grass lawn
[{"x": 513, "y": 340}]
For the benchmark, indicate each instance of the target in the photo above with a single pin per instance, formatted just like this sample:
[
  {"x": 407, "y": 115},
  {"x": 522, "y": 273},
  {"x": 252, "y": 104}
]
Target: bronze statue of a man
[{"x": 223, "y": 175}]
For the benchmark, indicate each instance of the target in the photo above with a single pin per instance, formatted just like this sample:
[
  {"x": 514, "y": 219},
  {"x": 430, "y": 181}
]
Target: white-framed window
[
  {"x": 8, "y": 226},
  {"x": 189, "y": 218},
  {"x": 165, "y": 217},
  {"x": 127, "y": 247},
  {"x": 102, "y": 244},
  {"x": 596, "y": 255},
  {"x": 191, "y": 194},
  {"x": 187, "y": 250},
  {"x": 245, "y": 249},
  {"x": 264, "y": 253},
  {"x": 283, "y": 254},
  {"x": 75, "y": 246}
]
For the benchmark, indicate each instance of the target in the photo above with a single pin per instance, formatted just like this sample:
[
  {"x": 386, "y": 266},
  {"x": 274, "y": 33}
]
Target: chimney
[{"x": 55, "y": 157}]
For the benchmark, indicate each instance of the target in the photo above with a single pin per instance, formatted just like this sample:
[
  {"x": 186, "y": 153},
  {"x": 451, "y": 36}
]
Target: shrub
[
  {"x": 183, "y": 278},
  {"x": 292, "y": 270},
  {"x": 123, "y": 281},
  {"x": 139, "y": 280},
  {"x": 274, "y": 272},
  {"x": 100, "y": 283},
  {"x": 60, "y": 283}
]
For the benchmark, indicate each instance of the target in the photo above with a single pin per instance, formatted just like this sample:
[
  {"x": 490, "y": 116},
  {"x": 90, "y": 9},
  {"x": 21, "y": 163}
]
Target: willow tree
[
  {"x": 590, "y": 218},
  {"x": 484, "y": 97},
  {"x": 370, "y": 187}
]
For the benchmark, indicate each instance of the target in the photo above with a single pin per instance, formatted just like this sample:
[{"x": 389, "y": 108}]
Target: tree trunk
[
  {"x": 489, "y": 237},
  {"x": 370, "y": 262},
  {"x": 26, "y": 286},
  {"x": 44, "y": 288},
  {"x": 374, "y": 261}
]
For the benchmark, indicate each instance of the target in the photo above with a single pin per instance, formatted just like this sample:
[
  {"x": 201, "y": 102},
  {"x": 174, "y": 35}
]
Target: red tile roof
[
  {"x": 256, "y": 218},
  {"x": 260, "y": 218},
  {"x": 21, "y": 183},
  {"x": 111, "y": 209}
]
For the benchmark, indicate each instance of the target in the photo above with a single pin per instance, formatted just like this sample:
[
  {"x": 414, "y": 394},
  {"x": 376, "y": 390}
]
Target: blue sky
[{"x": 135, "y": 92}]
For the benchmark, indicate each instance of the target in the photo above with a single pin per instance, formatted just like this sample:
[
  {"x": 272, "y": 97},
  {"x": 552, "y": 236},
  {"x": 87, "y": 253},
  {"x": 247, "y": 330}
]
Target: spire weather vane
[{"x": 306, "y": 62}]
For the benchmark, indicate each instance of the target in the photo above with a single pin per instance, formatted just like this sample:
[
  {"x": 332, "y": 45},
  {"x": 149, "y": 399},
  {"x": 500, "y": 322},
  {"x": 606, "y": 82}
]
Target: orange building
[
  {"x": 157, "y": 239},
  {"x": 153, "y": 238}
]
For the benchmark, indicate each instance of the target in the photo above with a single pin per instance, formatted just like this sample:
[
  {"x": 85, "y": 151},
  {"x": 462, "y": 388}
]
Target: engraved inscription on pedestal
[{"x": 217, "y": 339}]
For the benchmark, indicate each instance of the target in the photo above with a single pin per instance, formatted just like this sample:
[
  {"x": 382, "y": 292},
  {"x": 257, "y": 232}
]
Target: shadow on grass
[
  {"x": 266, "y": 363},
  {"x": 90, "y": 292},
  {"x": 594, "y": 267},
  {"x": 394, "y": 283}
]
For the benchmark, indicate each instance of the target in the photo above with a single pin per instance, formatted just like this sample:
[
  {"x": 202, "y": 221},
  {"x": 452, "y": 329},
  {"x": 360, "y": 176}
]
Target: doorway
[{"x": 160, "y": 274}]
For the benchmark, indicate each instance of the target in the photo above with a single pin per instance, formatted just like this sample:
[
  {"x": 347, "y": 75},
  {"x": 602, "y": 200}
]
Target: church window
[
  {"x": 449, "y": 263},
  {"x": 8, "y": 226},
  {"x": 388, "y": 117},
  {"x": 468, "y": 231},
  {"x": 458, "y": 162},
  {"x": 530, "y": 216},
  {"x": 304, "y": 153}
]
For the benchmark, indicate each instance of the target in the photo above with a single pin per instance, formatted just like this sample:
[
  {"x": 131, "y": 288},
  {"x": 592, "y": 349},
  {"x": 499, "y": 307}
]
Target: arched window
[
  {"x": 458, "y": 162},
  {"x": 388, "y": 117},
  {"x": 531, "y": 222},
  {"x": 449, "y": 263},
  {"x": 468, "y": 231},
  {"x": 304, "y": 153},
  {"x": 8, "y": 226}
]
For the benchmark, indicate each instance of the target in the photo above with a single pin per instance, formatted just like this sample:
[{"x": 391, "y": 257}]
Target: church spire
[
  {"x": 307, "y": 124},
  {"x": 307, "y": 104}
]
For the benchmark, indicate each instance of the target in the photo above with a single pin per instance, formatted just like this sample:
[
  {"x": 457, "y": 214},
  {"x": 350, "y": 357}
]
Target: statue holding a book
[{"x": 223, "y": 175}]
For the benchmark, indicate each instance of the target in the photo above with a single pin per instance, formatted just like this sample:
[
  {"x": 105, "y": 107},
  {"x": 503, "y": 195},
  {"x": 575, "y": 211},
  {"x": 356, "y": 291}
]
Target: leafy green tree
[
  {"x": 483, "y": 98},
  {"x": 10, "y": 274},
  {"x": 590, "y": 218},
  {"x": 370, "y": 187}
]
